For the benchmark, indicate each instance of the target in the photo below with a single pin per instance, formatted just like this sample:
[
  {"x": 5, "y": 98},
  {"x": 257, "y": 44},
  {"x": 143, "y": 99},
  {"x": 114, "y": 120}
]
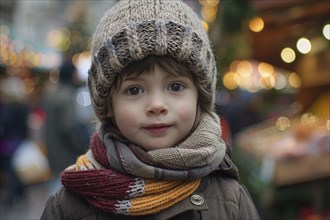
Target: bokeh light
[
  {"x": 308, "y": 119},
  {"x": 304, "y": 46},
  {"x": 256, "y": 24},
  {"x": 326, "y": 31},
  {"x": 83, "y": 98},
  {"x": 229, "y": 81},
  {"x": 283, "y": 123},
  {"x": 294, "y": 80},
  {"x": 288, "y": 55}
]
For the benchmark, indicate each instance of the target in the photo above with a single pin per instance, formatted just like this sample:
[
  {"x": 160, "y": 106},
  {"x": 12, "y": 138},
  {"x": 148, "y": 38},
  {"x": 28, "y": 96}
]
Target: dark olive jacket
[{"x": 220, "y": 196}]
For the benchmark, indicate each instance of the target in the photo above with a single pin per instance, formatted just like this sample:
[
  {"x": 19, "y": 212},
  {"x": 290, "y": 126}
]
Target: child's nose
[{"x": 157, "y": 105}]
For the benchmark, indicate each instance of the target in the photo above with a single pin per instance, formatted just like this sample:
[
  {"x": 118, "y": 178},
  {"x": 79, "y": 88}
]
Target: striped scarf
[{"x": 123, "y": 179}]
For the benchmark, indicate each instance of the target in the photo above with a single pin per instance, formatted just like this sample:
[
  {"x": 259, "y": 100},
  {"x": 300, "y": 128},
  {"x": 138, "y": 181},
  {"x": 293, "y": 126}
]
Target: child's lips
[{"x": 157, "y": 129}]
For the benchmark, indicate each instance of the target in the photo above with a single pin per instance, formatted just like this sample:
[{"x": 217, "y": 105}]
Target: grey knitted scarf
[{"x": 196, "y": 156}]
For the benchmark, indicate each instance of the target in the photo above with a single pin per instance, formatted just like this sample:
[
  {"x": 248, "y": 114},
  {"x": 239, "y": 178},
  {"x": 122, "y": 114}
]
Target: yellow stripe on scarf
[
  {"x": 83, "y": 163},
  {"x": 159, "y": 186},
  {"x": 160, "y": 195}
]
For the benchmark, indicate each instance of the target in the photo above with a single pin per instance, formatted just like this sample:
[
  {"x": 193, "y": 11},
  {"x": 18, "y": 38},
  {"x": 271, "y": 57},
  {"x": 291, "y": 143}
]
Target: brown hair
[{"x": 171, "y": 66}]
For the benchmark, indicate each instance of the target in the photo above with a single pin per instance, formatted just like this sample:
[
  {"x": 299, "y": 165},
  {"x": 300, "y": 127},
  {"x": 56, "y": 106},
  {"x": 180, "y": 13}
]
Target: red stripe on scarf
[
  {"x": 100, "y": 183},
  {"x": 101, "y": 187},
  {"x": 99, "y": 150}
]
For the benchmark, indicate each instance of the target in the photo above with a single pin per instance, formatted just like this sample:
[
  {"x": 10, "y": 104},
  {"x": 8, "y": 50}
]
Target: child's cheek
[
  {"x": 187, "y": 112},
  {"x": 126, "y": 117}
]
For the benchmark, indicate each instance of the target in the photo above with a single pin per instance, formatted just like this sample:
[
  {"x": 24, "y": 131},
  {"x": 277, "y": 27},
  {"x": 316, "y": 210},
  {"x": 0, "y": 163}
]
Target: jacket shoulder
[
  {"x": 221, "y": 189},
  {"x": 227, "y": 198},
  {"x": 65, "y": 205}
]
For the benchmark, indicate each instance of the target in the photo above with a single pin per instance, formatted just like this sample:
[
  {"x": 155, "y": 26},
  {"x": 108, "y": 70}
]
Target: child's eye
[
  {"x": 134, "y": 90},
  {"x": 176, "y": 87}
]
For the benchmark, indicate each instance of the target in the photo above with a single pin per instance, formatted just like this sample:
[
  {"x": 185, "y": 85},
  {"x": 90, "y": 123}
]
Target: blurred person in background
[
  {"x": 65, "y": 136},
  {"x": 14, "y": 113}
]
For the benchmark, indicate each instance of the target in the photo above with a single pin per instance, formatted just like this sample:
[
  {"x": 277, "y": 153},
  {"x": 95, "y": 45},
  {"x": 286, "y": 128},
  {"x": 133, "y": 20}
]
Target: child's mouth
[{"x": 157, "y": 129}]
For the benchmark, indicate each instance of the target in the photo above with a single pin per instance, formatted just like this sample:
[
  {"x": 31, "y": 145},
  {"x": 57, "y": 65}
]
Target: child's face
[{"x": 155, "y": 109}]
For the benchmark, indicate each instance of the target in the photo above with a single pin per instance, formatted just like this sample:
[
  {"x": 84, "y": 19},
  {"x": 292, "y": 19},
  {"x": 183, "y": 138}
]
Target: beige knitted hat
[{"x": 135, "y": 29}]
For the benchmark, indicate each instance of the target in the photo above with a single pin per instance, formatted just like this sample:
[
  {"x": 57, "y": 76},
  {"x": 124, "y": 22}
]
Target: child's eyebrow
[
  {"x": 132, "y": 78},
  {"x": 141, "y": 78}
]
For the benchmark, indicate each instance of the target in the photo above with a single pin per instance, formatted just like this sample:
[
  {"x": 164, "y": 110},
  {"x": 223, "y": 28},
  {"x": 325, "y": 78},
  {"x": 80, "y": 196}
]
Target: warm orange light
[
  {"x": 229, "y": 81},
  {"x": 256, "y": 24},
  {"x": 294, "y": 80}
]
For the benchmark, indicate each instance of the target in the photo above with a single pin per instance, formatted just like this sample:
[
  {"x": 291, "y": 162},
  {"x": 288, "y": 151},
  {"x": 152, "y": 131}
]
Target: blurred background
[{"x": 273, "y": 98}]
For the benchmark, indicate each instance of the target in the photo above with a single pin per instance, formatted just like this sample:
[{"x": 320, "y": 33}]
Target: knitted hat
[{"x": 133, "y": 30}]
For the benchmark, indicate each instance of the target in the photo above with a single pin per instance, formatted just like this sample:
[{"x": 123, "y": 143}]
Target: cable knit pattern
[{"x": 133, "y": 30}]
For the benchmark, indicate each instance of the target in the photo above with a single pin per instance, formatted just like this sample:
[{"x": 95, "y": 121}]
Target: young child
[{"x": 158, "y": 153}]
